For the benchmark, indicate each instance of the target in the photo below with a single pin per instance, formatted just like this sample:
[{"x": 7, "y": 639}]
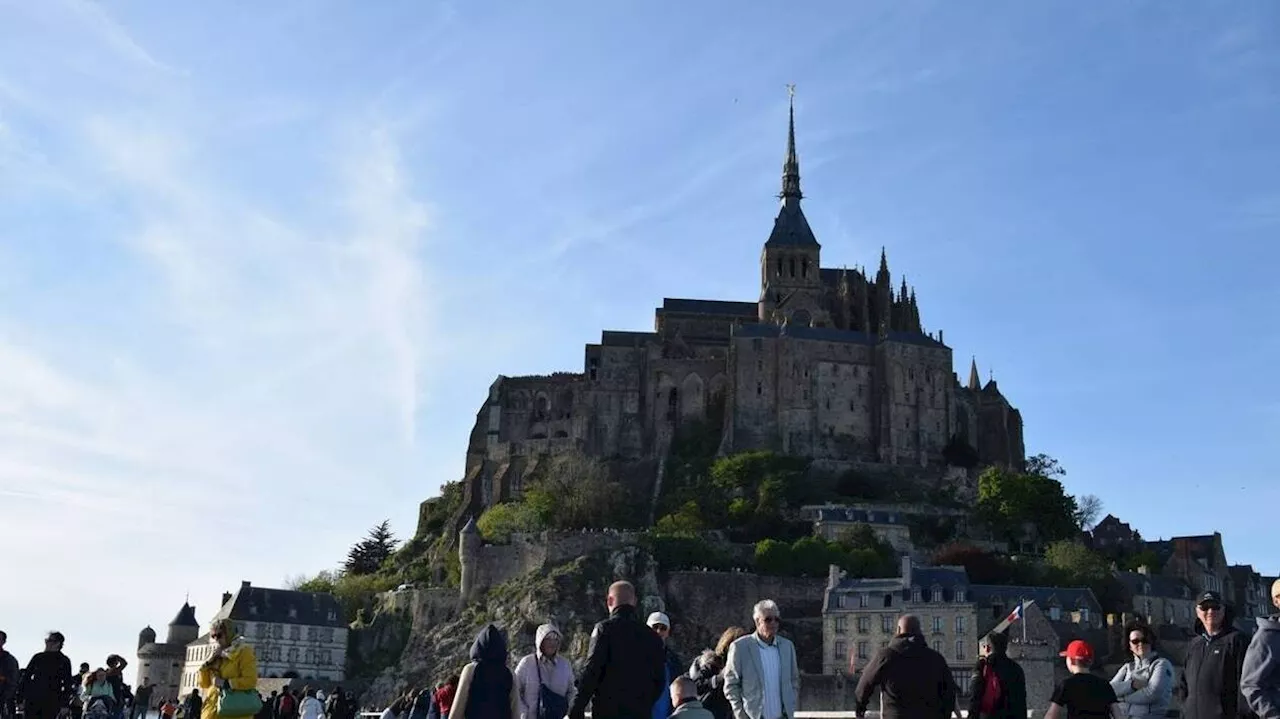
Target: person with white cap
[
  {"x": 1260, "y": 676},
  {"x": 660, "y": 623}
]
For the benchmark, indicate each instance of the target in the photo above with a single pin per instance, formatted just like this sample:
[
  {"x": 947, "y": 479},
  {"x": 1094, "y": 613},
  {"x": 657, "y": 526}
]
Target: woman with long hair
[
  {"x": 1144, "y": 685},
  {"x": 707, "y": 673},
  {"x": 229, "y": 677}
]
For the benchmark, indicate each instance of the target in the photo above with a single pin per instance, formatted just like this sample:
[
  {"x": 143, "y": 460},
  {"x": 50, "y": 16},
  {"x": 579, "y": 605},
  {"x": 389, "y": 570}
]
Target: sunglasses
[
  {"x": 1138, "y": 642},
  {"x": 1210, "y": 607}
]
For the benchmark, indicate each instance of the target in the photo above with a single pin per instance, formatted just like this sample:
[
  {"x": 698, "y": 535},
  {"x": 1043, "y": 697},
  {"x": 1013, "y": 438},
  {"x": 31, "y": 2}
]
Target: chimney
[
  {"x": 226, "y": 597},
  {"x": 906, "y": 569},
  {"x": 940, "y": 340}
]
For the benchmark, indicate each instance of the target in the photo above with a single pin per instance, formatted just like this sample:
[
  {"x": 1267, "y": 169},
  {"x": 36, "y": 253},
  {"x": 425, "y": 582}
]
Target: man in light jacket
[
  {"x": 544, "y": 667},
  {"x": 761, "y": 679},
  {"x": 1260, "y": 677}
]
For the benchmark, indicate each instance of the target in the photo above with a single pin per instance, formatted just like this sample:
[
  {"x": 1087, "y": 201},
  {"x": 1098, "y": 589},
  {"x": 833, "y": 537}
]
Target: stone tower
[
  {"x": 791, "y": 289},
  {"x": 146, "y": 636},
  {"x": 468, "y": 554},
  {"x": 184, "y": 628}
]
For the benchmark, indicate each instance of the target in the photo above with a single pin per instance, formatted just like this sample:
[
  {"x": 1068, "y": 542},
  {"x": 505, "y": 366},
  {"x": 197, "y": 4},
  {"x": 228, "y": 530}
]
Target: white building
[{"x": 294, "y": 634}]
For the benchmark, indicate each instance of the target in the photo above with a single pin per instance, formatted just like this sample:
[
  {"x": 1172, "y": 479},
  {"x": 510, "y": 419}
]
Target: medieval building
[
  {"x": 161, "y": 663},
  {"x": 826, "y": 363}
]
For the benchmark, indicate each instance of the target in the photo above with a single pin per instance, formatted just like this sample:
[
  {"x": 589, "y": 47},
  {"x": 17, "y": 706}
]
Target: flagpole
[{"x": 1023, "y": 617}]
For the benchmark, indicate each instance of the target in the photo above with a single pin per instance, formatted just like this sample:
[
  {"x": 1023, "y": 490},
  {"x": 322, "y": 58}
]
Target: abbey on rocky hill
[{"x": 827, "y": 363}]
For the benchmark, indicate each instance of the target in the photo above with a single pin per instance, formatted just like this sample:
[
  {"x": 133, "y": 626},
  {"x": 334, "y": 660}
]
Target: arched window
[
  {"x": 804, "y": 267},
  {"x": 779, "y": 266},
  {"x": 792, "y": 266},
  {"x": 673, "y": 404}
]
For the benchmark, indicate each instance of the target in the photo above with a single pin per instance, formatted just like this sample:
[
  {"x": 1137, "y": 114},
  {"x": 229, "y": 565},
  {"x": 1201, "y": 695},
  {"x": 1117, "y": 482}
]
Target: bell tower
[{"x": 790, "y": 278}]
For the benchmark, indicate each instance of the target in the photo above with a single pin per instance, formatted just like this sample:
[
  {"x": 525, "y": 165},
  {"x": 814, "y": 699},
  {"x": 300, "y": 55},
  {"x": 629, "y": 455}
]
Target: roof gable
[{"x": 283, "y": 606}]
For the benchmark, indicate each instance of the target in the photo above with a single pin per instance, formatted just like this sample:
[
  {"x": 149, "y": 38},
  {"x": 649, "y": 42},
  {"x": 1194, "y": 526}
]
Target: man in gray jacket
[
  {"x": 761, "y": 680},
  {"x": 1260, "y": 676}
]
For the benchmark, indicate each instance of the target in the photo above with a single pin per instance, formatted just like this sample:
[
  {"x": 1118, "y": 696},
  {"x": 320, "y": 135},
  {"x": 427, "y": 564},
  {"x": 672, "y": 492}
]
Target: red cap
[{"x": 1078, "y": 649}]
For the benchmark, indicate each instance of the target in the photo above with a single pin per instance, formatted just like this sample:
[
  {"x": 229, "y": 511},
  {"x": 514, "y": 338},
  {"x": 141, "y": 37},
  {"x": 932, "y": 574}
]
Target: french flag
[{"x": 1015, "y": 615}]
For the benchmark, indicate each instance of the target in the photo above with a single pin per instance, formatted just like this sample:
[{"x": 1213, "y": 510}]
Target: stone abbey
[{"x": 831, "y": 364}]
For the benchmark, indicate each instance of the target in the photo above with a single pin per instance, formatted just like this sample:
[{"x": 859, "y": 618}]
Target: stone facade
[
  {"x": 161, "y": 663},
  {"x": 860, "y": 615},
  {"x": 1250, "y": 595},
  {"x": 1157, "y": 599},
  {"x": 825, "y": 363},
  {"x": 293, "y": 634},
  {"x": 890, "y": 522}
]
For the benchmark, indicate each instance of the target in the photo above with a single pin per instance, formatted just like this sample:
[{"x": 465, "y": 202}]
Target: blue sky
[{"x": 260, "y": 262}]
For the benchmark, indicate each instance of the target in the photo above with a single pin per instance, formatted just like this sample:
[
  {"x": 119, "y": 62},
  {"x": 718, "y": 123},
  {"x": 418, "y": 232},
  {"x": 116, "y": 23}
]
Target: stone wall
[{"x": 499, "y": 563}]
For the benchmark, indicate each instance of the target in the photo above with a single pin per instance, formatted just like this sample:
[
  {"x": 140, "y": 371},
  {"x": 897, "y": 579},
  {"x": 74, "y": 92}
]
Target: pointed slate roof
[
  {"x": 790, "y": 228},
  {"x": 186, "y": 617}
]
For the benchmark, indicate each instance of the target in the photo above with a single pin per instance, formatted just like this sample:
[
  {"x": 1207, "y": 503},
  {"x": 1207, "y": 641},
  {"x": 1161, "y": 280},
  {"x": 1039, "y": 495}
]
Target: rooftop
[
  {"x": 711, "y": 307},
  {"x": 282, "y": 606},
  {"x": 830, "y": 334}
]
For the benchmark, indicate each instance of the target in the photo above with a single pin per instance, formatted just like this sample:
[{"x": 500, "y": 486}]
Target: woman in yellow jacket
[{"x": 232, "y": 666}]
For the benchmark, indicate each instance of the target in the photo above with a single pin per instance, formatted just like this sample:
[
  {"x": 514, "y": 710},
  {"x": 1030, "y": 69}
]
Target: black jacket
[
  {"x": 1210, "y": 683},
  {"x": 9, "y": 676},
  {"x": 47, "y": 680},
  {"x": 915, "y": 681},
  {"x": 1013, "y": 688},
  {"x": 625, "y": 669}
]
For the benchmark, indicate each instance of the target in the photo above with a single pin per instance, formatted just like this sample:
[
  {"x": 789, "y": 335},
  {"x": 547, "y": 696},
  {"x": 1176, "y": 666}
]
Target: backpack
[
  {"x": 992, "y": 691},
  {"x": 286, "y": 704}
]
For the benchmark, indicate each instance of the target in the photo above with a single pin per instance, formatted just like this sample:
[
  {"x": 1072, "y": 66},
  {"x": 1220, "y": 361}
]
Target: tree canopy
[
  {"x": 367, "y": 555},
  {"x": 1008, "y": 501}
]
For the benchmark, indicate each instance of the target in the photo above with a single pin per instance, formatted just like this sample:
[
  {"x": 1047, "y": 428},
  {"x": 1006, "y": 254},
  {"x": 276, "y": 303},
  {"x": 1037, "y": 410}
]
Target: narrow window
[{"x": 792, "y": 266}]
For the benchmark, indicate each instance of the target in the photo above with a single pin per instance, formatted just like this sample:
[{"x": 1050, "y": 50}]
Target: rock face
[{"x": 570, "y": 595}]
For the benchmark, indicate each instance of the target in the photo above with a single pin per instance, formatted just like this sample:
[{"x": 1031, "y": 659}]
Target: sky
[{"x": 259, "y": 262}]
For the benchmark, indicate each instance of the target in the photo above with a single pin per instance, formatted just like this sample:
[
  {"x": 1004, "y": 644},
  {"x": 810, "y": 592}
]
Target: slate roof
[
  {"x": 1161, "y": 586},
  {"x": 282, "y": 606},
  {"x": 711, "y": 307},
  {"x": 615, "y": 338},
  {"x": 791, "y": 228},
  {"x": 830, "y": 334},
  {"x": 1068, "y": 598},
  {"x": 186, "y": 617}
]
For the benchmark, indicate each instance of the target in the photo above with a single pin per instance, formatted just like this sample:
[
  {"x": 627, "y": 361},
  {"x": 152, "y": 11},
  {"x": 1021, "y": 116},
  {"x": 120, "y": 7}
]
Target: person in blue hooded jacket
[
  {"x": 1260, "y": 676},
  {"x": 486, "y": 687}
]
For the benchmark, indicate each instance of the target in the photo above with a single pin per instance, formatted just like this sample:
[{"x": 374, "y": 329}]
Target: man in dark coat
[
  {"x": 1210, "y": 682},
  {"x": 9, "y": 674},
  {"x": 914, "y": 680},
  {"x": 998, "y": 687},
  {"x": 626, "y": 663},
  {"x": 47, "y": 683}
]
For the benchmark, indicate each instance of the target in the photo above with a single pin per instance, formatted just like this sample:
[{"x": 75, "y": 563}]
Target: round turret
[
  {"x": 146, "y": 636},
  {"x": 184, "y": 628}
]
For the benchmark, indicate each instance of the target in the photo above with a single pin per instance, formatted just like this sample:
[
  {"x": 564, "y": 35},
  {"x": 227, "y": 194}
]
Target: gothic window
[
  {"x": 804, "y": 267},
  {"x": 673, "y": 404},
  {"x": 779, "y": 266},
  {"x": 791, "y": 265},
  {"x": 593, "y": 367},
  {"x": 828, "y": 403},
  {"x": 852, "y": 406},
  {"x": 759, "y": 389}
]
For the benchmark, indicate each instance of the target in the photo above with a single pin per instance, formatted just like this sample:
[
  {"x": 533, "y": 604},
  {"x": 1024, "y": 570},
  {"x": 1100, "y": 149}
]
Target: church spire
[
  {"x": 791, "y": 166},
  {"x": 975, "y": 383}
]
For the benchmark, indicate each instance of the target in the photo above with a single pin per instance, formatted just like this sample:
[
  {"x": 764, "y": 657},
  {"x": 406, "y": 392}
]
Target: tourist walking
[
  {"x": 998, "y": 687},
  {"x": 660, "y": 623},
  {"x": 1260, "y": 675},
  {"x": 193, "y": 705},
  {"x": 9, "y": 674},
  {"x": 1210, "y": 682},
  {"x": 233, "y": 667},
  {"x": 46, "y": 684},
  {"x": 1144, "y": 685},
  {"x": 445, "y": 695},
  {"x": 707, "y": 672},
  {"x": 286, "y": 705},
  {"x": 544, "y": 679},
  {"x": 761, "y": 680},
  {"x": 914, "y": 681},
  {"x": 311, "y": 707},
  {"x": 684, "y": 697},
  {"x": 423, "y": 699},
  {"x": 486, "y": 688},
  {"x": 1082, "y": 695},
  {"x": 142, "y": 701},
  {"x": 623, "y": 675}
]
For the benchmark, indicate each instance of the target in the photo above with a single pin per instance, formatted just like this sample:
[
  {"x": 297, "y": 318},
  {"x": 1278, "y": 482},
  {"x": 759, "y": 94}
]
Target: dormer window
[
  {"x": 959, "y": 595},
  {"x": 863, "y": 600},
  {"x": 937, "y": 595},
  {"x": 253, "y": 609},
  {"x": 293, "y": 612},
  {"x": 840, "y": 601},
  {"x": 915, "y": 594},
  {"x": 1055, "y": 613},
  {"x": 1084, "y": 615}
]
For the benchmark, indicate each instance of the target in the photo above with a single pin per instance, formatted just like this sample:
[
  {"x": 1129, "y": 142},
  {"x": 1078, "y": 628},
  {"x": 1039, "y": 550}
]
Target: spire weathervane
[{"x": 791, "y": 166}]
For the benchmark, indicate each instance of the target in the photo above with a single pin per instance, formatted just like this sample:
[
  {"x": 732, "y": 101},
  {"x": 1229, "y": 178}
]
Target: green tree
[
  {"x": 1042, "y": 465},
  {"x": 367, "y": 555},
  {"x": 686, "y": 521},
  {"x": 1008, "y": 501},
  {"x": 500, "y": 521},
  {"x": 1088, "y": 508},
  {"x": 1075, "y": 563},
  {"x": 577, "y": 492},
  {"x": 774, "y": 557}
]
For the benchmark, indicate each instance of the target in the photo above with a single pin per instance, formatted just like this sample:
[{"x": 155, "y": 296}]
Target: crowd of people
[{"x": 631, "y": 672}]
